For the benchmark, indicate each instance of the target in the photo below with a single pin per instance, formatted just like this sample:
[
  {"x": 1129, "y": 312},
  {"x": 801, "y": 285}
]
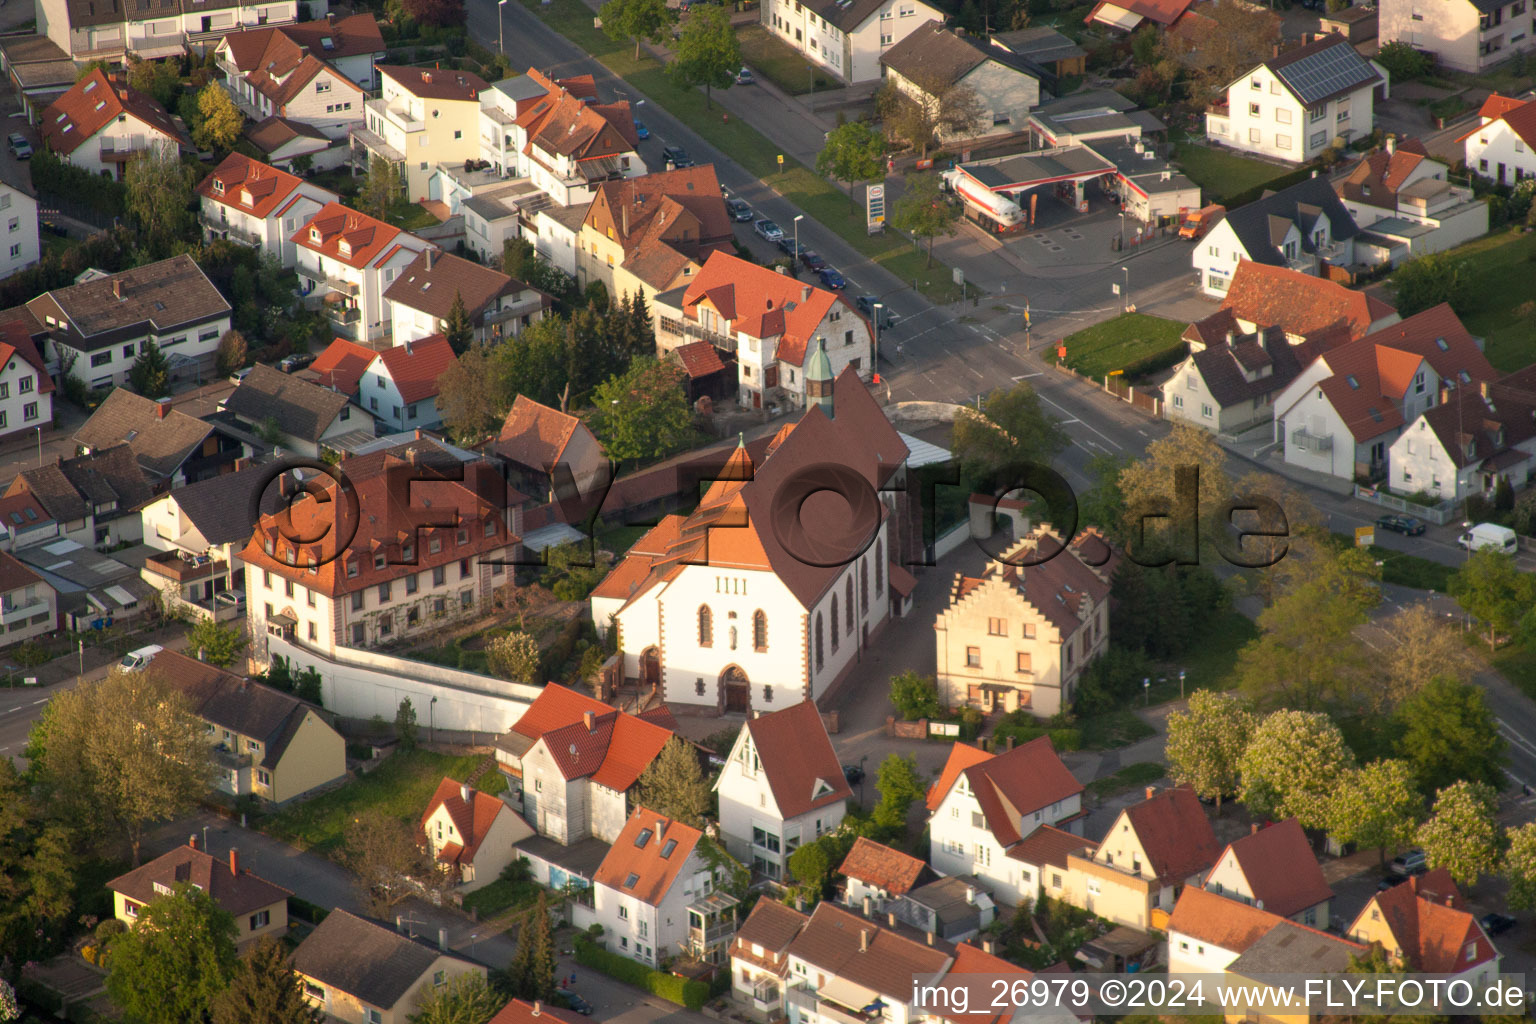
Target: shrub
[
  {"x": 1403, "y": 62},
  {"x": 107, "y": 930},
  {"x": 306, "y": 911},
  {"x": 915, "y": 696},
  {"x": 690, "y": 994},
  {"x": 1066, "y": 739}
]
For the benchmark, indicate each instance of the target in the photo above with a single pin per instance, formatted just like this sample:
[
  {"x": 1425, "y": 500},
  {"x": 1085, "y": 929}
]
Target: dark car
[
  {"x": 790, "y": 246},
  {"x": 580, "y": 1005},
  {"x": 811, "y": 260},
  {"x": 297, "y": 361},
  {"x": 832, "y": 279},
  {"x": 1406, "y": 525},
  {"x": 1496, "y": 923},
  {"x": 853, "y": 773},
  {"x": 1390, "y": 882},
  {"x": 739, "y": 210},
  {"x": 677, "y": 156}
]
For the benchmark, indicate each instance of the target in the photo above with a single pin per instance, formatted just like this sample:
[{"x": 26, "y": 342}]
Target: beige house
[
  {"x": 423, "y": 117},
  {"x": 1459, "y": 34},
  {"x": 472, "y": 834},
  {"x": 258, "y": 907},
  {"x": 1019, "y": 637},
  {"x": 266, "y": 743},
  {"x": 1274, "y": 869},
  {"x": 552, "y": 456},
  {"x": 360, "y": 972}
]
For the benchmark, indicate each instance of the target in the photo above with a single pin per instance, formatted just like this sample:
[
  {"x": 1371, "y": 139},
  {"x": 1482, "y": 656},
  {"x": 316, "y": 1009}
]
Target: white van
[
  {"x": 1490, "y": 535},
  {"x": 133, "y": 661}
]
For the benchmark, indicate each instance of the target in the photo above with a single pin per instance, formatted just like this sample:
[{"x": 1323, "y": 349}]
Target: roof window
[
  {"x": 666, "y": 850},
  {"x": 1442, "y": 345},
  {"x": 643, "y": 838},
  {"x": 1352, "y": 382},
  {"x": 632, "y": 881}
]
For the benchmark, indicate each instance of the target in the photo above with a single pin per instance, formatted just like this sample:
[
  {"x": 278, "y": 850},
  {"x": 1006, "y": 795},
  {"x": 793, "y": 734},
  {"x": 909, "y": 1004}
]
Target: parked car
[
  {"x": 641, "y": 131},
  {"x": 853, "y": 773},
  {"x": 1496, "y": 923},
  {"x": 297, "y": 361},
  {"x": 768, "y": 231},
  {"x": 744, "y": 77},
  {"x": 134, "y": 661},
  {"x": 21, "y": 149},
  {"x": 1410, "y": 862},
  {"x": 812, "y": 261},
  {"x": 739, "y": 210},
  {"x": 1406, "y": 525},
  {"x": 791, "y": 247},
  {"x": 1390, "y": 882},
  {"x": 230, "y": 599},
  {"x": 1490, "y": 535},
  {"x": 580, "y": 1005},
  {"x": 832, "y": 279},
  {"x": 677, "y": 156}
]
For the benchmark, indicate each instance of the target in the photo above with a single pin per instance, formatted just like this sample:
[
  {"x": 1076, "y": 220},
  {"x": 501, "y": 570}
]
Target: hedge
[
  {"x": 689, "y": 994},
  {"x": 306, "y": 911}
]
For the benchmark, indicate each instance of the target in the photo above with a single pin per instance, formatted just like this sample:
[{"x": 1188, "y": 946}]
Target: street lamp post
[
  {"x": 500, "y": 31},
  {"x": 1127, "y": 295},
  {"x": 1181, "y": 684},
  {"x": 877, "y": 307},
  {"x": 82, "y": 659},
  {"x": 432, "y": 721},
  {"x": 1146, "y": 688},
  {"x": 39, "y": 446},
  {"x": 1122, "y": 229},
  {"x": 796, "y": 254}
]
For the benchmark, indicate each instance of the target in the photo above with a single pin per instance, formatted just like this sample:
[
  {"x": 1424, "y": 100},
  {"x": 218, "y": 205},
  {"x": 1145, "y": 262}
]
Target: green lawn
[
  {"x": 400, "y": 788},
  {"x": 501, "y": 895},
  {"x": 774, "y": 59},
  {"x": 1220, "y": 173},
  {"x": 1129, "y": 342},
  {"x": 409, "y": 216},
  {"x": 820, "y": 200},
  {"x": 1413, "y": 571},
  {"x": 1117, "y": 728},
  {"x": 1208, "y": 666},
  {"x": 1518, "y": 664},
  {"x": 1502, "y": 265},
  {"x": 1132, "y": 776}
]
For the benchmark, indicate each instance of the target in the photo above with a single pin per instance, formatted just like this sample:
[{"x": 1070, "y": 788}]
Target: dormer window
[
  {"x": 218, "y": 186},
  {"x": 314, "y": 234},
  {"x": 344, "y": 247},
  {"x": 246, "y": 198}
]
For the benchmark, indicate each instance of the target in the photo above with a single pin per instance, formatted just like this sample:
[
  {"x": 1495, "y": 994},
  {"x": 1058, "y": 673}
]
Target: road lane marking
[
  {"x": 37, "y": 702},
  {"x": 1026, "y": 376},
  {"x": 1088, "y": 425}
]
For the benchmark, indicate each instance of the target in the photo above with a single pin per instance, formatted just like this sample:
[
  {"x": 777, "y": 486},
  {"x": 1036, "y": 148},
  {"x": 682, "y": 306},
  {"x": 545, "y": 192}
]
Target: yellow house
[
  {"x": 258, "y": 907},
  {"x": 265, "y": 742},
  {"x": 472, "y": 834},
  {"x": 1274, "y": 869},
  {"x": 360, "y": 972},
  {"x": 423, "y": 117},
  {"x": 1423, "y": 925}
]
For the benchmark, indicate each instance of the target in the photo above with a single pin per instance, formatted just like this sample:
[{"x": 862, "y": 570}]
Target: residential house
[
  {"x": 199, "y": 531},
  {"x": 1501, "y": 146},
  {"x": 707, "y": 374},
  {"x": 933, "y": 61},
  {"x": 653, "y": 233},
  {"x": 400, "y": 385},
  {"x": 423, "y": 117},
  {"x": 351, "y": 45},
  {"x": 972, "y": 964},
  {"x": 28, "y": 603},
  {"x": 95, "y": 591},
  {"x": 1207, "y": 932},
  {"x": 1294, "y": 106},
  {"x": 340, "y": 367},
  {"x": 282, "y": 142},
  {"x": 1153, "y": 850},
  {"x": 781, "y": 786},
  {"x": 877, "y": 875},
  {"x": 772, "y": 324},
  {"x": 553, "y": 231},
  {"x": 39, "y": 71},
  {"x": 110, "y": 31},
  {"x": 1045, "y": 47},
  {"x": 346, "y": 262},
  {"x": 1342, "y": 414},
  {"x": 1041, "y": 861},
  {"x": 22, "y": 245},
  {"x": 260, "y": 909},
  {"x": 94, "y": 498},
  {"x": 985, "y": 804},
  {"x": 1406, "y": 206},
  {"x": 1424, "y": 926},
  {"x": 847, "y": 39},
  {"x": 421, "y": 297},
  {"x": 1274, "y": 869},
  {"x": 1288, "y": 948},
  {"x": 299, "y": 415},
  {"x": 173, "y": 448},
  {"x": 657, "y": 887},
  {"x": 1264, "y": 295},
  {"x": 100, "y": 123},
  {"x": 501, "y": 104},
  {"x": 710, "y": 620},
  {"x": 569, "y": 144},
  {"x": 519, "y": 1011},
  {"x": 1129, "y": 15},
  {"x": 248, "y": 201},
  {"x": 98, "y": 328},
  {"x": 402, "y": 571},
  {"x": 26, "y": 389},
  {"x": 266, "y": 743},
  {"x": 551, "y": 456},
  {"x": 842, "y": 963},
  {"x": 1459, "y": 35},
  {"x": 760, "y": 958},
  {"x": 360, "y": 972},
  {"x": 1019, "y": 637},
  {"x": 1470, "y": 440},
  {"x": 1304, "y": 227},
  {"x": 955, "y": 908},
  {"x": 471, "y": 834}
]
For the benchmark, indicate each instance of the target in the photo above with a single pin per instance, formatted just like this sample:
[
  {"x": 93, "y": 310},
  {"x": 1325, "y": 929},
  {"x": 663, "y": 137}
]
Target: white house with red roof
[
  {"x": 346, "y": 261},
  {"x": 771, "y": 322},
  {"x": 248, "y": 201},
  {"x": 100, "y": 123},
  {"x": 556, "y": 135},
  {"x": 879, "y": 874},
  {"x": 1207, "y": 932},
  {"x": 652, "y": 885},
  {"x": 313, "y": 73},
  {"x": 973, "y": 960},
  {"x": 1503, "y": 146},
  {"x": 983, "y": 805},
  {"x": 1342, "y": 413},
  {"x": 1470, "y": 440},
  {"x": 471, "y": 834},
  {"x": 781, "y": 786},
  {"x": 1274, "y": 869},
  {"x": 842, "y": 964},
  {"x": 400, "y": 386},
  {"x": 730, "y": 610},
  {"x": 26, "y": 388},
  {"x": 1424, "y": 926},
  {"x": 760, "y": 958}
]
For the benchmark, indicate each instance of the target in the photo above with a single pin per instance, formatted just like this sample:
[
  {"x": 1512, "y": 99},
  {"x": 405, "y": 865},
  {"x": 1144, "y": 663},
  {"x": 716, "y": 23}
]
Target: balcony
[
  {"x": 711, "y": 922},
  {"x": 234, "y": 231},
  {"x": 691, "y": 331},
  {"x": 344, "y": 314},
  {"x": 400, "y": 119},
  {"x": 231, "y": 760},
  {"x": 13, "y": 613},
  {"x": 1310, "y": 442}
]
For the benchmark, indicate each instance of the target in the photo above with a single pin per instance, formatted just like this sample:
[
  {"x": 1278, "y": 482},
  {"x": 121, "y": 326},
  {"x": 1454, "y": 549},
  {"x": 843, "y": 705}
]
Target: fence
[
  {"x": 1138, "y": 398},
  {"x": 1439, "y": 514}
]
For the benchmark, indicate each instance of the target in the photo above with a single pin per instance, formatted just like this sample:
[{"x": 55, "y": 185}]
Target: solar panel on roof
[{"x": 1325, "y": 73}]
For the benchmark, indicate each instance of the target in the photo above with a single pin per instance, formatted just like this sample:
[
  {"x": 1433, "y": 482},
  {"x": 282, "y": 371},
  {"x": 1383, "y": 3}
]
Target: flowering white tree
[
  {"x": 1461, "y": 836},
  {"x": 1377, "y": 805},
  {"x": 1206, "y": 743},
  {"x": 1293, "y": 766},
  {"x": 8, "y": 1008},
  {"x": 1520, "y": 866}
]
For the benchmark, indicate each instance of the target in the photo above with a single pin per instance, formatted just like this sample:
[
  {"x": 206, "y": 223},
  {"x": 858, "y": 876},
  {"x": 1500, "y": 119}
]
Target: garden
[{"x": 1132, "y": 343}]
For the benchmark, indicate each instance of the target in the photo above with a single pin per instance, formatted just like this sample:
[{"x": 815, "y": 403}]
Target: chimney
[
  {"x": 1151, "y": 792},
  {"x": 1231, "y": 338},
  {"x": 1391, "y": 144},
  {"x": 538, "y": 1007},
  {"x": 805, "y": 294},
  {"x": 429, "y": 259},
  {"x": 869, "y": 907},
  {"x": 1253, "y": 829},
  {"x": 661, "y": 828},
  {"x": 418, "y": 433},
  {"x": 465, "y": 792},
  {"x": 930, "y": 938},
  {"x": 1445, "y": 395},
  {"x": 202, "y": 654},
  {"x": 192, "y": 840},
  {"x": 800, "y": 904},
  {"x": 407, "y": 347},
  {"x": 891, "y": 916},
  {"x": 242, "y": 463},
  {"x": 234, "y": 861},
  {"x": 589, "y": 718},
  {"x": 117, "y": 287},
  {"x": 442, "y": 939},
  {"x": 970, "y": 895},
  {"x": 863, "y": 940},
  {"x": 986, "y": 945},
  {"x": 1482, "y": 389},
  {"x": 1314, "y": 174}
]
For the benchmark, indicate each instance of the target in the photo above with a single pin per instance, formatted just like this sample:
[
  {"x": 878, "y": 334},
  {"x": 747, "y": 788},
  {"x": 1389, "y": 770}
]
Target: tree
[
  {"x": 1206, "y": 743},
  {"x": 120, "y": 754},
  {"x": 916, "y": 696},
  {"x": 1489, "y": 587},
  {"x": 221, "y": 119},
  {"x": 924, "y": 211},
  {"x": 854, "y": 152},
  {"x": 811, "y": 866},
  {"x": 264, "y": 990},
  {"x": 1461, "y": 835},
  {"x": 1012, "y": 430},
  {"x": 233, "y": 353},
  {"x": 469, "y": 395},
  {"x": 675, "y": 785},
  {"x": 9, "y": 1010},
  {"x": 944, "y": 111},
  {"x": 159, "y": 190},
  {"x": 1426, "y": 281},
  {"x": 1304, "y": 532},
  {"x": 389, "y": 859},
  {"x": 406, "y": 728},
  {"x": 1403, "y": 62},
  {"x": 898, "y": 784},
  {"x": 179, "y": 955},
  {"x": 1520, "y": 866},
  {"x": 1233, "y": 39},
  {"x": 1424, "y": 646},
  {"x": 531, "y": 974},
  {"x": 380, "y": 188},
  {"x": 465, "y": 999},
  {"x": 438, "y": 13},
  {"x": 1450, "y": 734},
  {"x": 1292, "y": 767},
  {"x": 457, "y": 328},
  {"x": 218, "y": 645},
  {"x": 707, "y": 53},
  {"x": 1149, "y": 486},
  {"x": 513, "y": 656},
  {"x": 1377, "y": 805},
  {"x": 157, "y": 79},
  {"x": 639, "y": 20},
  {"x": 643, "y": 412},
  {"x": 150, "y": 374}
]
